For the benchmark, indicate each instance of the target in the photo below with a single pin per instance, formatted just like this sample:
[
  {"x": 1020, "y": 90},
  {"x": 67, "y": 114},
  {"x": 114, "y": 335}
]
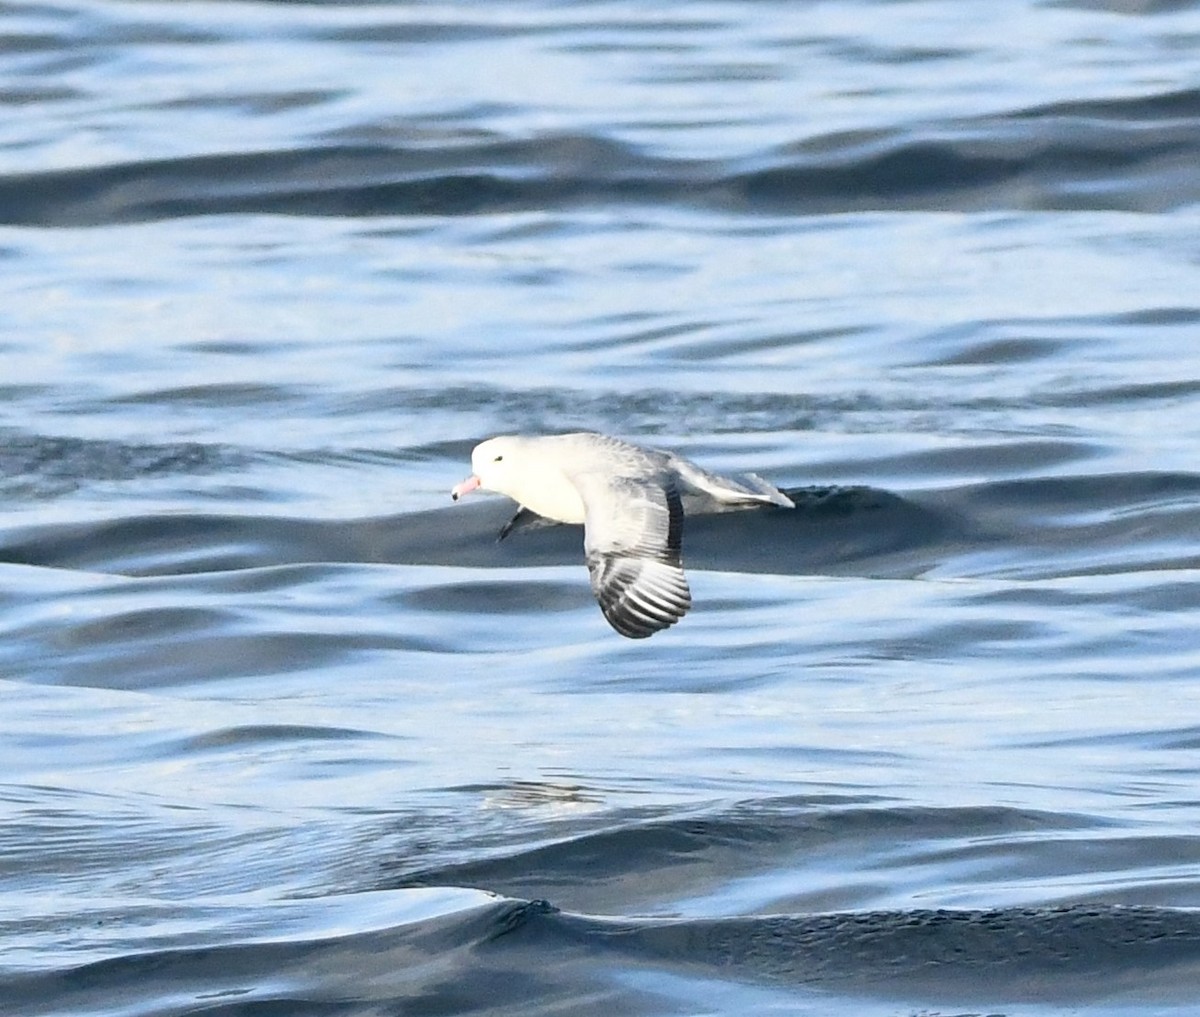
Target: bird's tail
[
  {"x": 765, "y": 491},
  {"x": 747, "y": 488}
]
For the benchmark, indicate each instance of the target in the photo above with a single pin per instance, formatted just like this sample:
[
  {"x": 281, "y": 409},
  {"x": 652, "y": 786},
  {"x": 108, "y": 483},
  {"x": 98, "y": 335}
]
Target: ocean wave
[
  {"x": 1127, "y": 153},
  {"x": 486, "y": 956}
]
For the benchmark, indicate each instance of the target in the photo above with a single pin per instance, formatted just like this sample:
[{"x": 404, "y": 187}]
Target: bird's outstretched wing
[{"x": 632, "y": 535}]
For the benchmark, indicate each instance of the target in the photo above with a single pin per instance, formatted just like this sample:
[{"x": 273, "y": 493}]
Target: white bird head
[
  {"x": 532, "y": 471},
  {"x": 499, "y": 465}
]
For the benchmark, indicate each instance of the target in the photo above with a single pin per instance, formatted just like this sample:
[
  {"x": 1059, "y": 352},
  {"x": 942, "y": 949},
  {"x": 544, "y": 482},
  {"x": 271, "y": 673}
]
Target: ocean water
[{"x": 285, "y": 732}]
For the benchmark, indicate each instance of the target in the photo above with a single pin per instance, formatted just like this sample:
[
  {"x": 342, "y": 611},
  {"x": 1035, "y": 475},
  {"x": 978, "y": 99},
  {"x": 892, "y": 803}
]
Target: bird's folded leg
[
  {"x": 520, "y": 518},
  {"x": 525, "y": 519}
]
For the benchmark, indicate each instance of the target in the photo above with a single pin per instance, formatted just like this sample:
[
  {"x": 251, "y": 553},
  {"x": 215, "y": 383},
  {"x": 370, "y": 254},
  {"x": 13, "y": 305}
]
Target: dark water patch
[
  {"x": 993, "y": 459},
  {"x": 1182, "y": 105},
  {"x": 159, "y": 646},
  {"x": 654, "y": 409},
  {"x": 211, "y": 656},
  {"x": 659, "y": 862},
  {"x": 33, "y": 95},
  {"x": 1083, "y": 525},
  {"x": 1182, "y": 739},
  {"x": 304, "y": 968},
  {"x": 858, "y": 180},
  {"x": 1127, "y": 7},
  {"x": 218, "y": 395},
  {"x": 529, "y": 957},
  {"x": 265, "y": 734},
  {"x": 1138, "y": 393},
  {"x": 148, "y": 545},
  {"x": 343, "y": 180},
  {"x": 1130, "y": 155},
  {"x": 1042, "y": 170},
  {"x": 68, "y": 836},
  {"x": 226, "y": 347},
  {"x": 1094, "y": 496},
  {"x": 892, "y": 54},
  {"x": 991, "y": 352},
  {"x": 16, "y": 393},
  {"x": 1161, "y": 596},
  {"x": 1161, "y": 316},
  {"x": 1055, "y": 857},
  {"x": 1061, "y": 954},
  {"x": 543, "y": 599},
  {"x": 1074, "y": 344},
  {"x": 145, "y": 624},
  {"x": 425, "y": 33},
  {"x": 1044, "y": 157},
  {"x": 728, "y": 348},
  {"x": 252, "y": 103},
  {"x": 1035, "y": 528},
  {"x": 831, "y": 527},
  {"x": 40, "y": 466}
]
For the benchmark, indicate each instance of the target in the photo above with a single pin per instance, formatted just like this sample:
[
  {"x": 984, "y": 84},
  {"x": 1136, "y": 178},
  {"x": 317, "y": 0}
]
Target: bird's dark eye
[{"x": 497, "y": 459}]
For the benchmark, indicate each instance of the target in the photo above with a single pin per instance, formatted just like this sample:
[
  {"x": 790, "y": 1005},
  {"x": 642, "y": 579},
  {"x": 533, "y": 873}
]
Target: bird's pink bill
[{"x": 465, "y": 487}]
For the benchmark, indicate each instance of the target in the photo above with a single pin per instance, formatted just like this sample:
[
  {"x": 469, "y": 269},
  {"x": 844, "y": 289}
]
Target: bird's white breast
[{"x": 551, "y": 495}]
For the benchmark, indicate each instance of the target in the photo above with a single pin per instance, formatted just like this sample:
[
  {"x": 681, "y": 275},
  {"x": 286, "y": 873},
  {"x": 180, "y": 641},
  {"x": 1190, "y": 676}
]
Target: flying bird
[{"x": 629, "y": 500}]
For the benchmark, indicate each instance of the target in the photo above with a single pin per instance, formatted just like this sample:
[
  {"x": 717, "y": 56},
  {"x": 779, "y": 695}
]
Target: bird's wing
[{"x": 632, "y": 534}]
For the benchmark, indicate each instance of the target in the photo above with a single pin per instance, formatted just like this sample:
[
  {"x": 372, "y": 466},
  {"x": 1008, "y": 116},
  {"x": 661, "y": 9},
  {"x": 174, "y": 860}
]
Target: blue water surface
[{"x": 282, "y": 730}]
